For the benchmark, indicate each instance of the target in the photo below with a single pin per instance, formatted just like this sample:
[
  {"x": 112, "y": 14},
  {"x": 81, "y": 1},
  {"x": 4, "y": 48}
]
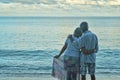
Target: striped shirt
[{"x": 89, "y": 41}]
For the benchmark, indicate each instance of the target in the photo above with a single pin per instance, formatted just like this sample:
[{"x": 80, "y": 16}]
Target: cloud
[
  {"x": 59, "y": 7},
  {"x": 29, "y": 1},
  {"x": 114, "y": 2},
  {"x": 80, "y": 2}
]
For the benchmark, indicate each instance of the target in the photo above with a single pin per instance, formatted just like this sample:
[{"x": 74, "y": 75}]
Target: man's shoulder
[
  {"x": 94, "y": 35},
  {"x": 88, "y": 34}
]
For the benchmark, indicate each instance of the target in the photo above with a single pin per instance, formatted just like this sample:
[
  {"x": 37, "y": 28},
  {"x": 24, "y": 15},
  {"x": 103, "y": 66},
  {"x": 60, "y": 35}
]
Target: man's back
[{"x": 89, "y": 41}]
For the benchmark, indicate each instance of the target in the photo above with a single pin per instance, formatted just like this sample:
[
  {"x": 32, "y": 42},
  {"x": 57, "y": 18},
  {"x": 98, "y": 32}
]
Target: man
[{"x": 88, "y": 41}]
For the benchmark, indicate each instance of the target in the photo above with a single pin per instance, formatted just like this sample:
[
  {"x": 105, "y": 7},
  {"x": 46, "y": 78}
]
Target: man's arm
[
  {"x": 96, "y": 46},
  {"x": 87, "y": 52},
  {"x": 70, "y": 37}
]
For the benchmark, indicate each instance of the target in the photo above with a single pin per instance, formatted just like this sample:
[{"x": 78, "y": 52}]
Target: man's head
[{"x": 84, "y": 26}]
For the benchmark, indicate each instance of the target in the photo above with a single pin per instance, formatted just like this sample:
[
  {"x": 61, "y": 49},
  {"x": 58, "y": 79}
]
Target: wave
[
  {"x": 47, "y": 74},
  {"x": 39, "y": 62},
  {"x": 27, "y": 52},
  {"x": 24, "y": 74}
]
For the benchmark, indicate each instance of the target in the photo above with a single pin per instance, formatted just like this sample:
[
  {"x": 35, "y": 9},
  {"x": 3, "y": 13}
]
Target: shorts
[{"x": 90, "y": 67}]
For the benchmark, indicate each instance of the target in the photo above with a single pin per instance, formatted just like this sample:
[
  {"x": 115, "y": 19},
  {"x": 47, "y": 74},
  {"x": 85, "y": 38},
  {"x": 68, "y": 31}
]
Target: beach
[
  {"x": 28, "y": 45},
  {"x": 48, "y": 77}
]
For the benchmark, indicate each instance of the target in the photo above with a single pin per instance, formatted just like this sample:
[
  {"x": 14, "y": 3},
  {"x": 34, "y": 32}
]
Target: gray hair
[
  {"x": 84, "y": 26},
  {"x": 77, "y": 32}
]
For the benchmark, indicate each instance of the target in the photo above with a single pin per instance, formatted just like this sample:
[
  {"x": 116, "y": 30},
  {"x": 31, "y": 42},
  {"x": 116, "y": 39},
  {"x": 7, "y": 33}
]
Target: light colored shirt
[
  {"x": 89, "y": 41},
  {"x": 71, "y": 50}
]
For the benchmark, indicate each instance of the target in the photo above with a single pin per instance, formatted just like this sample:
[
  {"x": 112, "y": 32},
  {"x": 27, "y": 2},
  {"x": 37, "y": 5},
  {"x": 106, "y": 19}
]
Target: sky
[{"x": 59, "y": 7}]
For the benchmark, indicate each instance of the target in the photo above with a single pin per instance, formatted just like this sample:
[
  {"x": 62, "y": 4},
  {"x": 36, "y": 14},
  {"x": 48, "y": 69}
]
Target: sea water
[{"x": 28, "y": 44}]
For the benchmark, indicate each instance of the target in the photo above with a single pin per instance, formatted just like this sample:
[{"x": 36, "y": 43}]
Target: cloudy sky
[{"x": 59, "y": 7}]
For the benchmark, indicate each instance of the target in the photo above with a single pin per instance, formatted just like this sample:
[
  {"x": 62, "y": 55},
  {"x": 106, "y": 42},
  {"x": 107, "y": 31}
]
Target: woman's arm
[
  {"x": 62, "y": 50},
  {"x": 87, "y": 51}
]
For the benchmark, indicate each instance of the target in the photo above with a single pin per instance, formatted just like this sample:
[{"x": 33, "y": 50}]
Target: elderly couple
[{"x": 80, "y": 53}]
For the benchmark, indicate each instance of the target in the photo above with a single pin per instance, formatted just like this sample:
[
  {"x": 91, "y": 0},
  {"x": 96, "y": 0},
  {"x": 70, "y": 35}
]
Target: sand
[{"x": 48, "y": 77}]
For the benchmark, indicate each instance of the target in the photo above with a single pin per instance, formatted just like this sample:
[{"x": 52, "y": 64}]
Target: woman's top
[{"x": 71, "y": 50}]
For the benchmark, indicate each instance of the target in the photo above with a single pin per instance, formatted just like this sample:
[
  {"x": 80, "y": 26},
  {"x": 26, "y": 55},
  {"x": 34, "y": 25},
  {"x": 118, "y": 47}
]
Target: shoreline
[{"x": 49, "y": 77}]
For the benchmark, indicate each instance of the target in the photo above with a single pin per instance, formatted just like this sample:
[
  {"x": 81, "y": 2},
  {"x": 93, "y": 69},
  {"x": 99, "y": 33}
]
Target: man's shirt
[{"x": 89, "y": 41}]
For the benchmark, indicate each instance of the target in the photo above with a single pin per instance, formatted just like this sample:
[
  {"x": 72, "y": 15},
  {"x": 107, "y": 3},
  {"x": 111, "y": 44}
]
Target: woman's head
[{"x": 77, "y": 32}]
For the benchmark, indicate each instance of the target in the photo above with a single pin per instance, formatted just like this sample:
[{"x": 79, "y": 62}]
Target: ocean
[{"x": 28, "y": 44}]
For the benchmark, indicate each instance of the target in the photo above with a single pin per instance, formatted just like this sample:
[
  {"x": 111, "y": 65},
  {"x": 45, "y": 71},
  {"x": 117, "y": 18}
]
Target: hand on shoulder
[{"x": 70, "y": 37}]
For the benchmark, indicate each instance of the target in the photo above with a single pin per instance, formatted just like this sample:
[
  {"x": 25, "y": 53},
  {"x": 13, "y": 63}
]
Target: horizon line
[{"x": 60, "y": 16}]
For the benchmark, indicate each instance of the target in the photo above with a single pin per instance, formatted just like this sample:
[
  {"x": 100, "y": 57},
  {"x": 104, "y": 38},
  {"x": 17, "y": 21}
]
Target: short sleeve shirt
[
  {"x": 89, "y": 41},
  {"x": 71, "y": 50}
]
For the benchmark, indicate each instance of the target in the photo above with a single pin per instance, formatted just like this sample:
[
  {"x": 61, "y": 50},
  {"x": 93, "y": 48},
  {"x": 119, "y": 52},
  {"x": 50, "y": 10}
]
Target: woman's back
[{"x": 71, "y": 50}]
